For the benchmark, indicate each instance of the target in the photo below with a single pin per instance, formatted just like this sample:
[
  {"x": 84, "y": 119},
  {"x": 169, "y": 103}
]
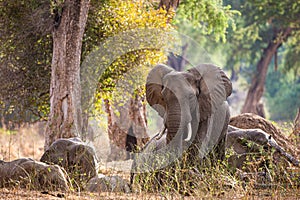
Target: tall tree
[
  {"x": 65, "y": 118},
  {"x": 119, "y": 82},
  {"x": 272, "y": 22},
  {"x": 256, "y": 90}
]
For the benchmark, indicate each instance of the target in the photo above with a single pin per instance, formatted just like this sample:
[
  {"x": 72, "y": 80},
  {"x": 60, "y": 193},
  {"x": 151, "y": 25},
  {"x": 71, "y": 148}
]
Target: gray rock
[
  {"x": 76, "y": 157},
  {"x": 102, "y": 183},
  {"x": 30, "y": 174}
]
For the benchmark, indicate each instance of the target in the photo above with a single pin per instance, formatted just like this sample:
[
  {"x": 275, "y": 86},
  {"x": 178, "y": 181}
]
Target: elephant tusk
[
  {"x": 161, "y": 134},
  {"x": 189, "y": 136}
]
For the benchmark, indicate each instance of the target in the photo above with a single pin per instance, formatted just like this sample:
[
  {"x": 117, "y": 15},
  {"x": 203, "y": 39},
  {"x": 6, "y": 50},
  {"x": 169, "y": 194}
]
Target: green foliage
[
  {"x": 260, "y": 23},
  {"x": 26, "y": 48},
  {"x": 108, "y": 18},
  {"x": 283, "y": 95},
  {"x": 205, "y": 17},
  {"x": 26, "y": 44},
  {"x": 25, "y": 51},
  {"x": 111, "y": 20},
  {"x": 292, "y": 55},
  {"x": 278, "y": 14}
]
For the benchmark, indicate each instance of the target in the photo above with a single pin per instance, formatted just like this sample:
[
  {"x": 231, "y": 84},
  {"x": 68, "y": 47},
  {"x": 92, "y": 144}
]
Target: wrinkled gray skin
[{"x": 193, "y": 106}]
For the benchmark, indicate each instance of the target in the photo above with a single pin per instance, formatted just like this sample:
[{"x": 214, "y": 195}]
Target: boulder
[
  {"x": 76, "y": 157},
  {"x": 30, "y": 174},
  {"x": 102, "y": 183}
]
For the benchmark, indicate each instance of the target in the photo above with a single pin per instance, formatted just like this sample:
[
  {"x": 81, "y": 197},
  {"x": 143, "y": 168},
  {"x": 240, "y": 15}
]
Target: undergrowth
[{"x": 262, "y": 169}]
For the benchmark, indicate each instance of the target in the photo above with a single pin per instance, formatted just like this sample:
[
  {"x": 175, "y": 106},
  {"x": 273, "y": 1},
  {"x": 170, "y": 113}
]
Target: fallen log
[
  {"x": 237, "y": 136},
  {"x": 252, "y": 121}
]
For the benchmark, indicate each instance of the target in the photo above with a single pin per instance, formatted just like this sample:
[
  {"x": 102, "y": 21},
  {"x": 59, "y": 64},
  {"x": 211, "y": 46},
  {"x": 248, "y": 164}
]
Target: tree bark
[
  {"x": 65, "y": 119},
  {"x": 167, "y": 4},
  {"x": 256, "y": 89},
  {"x": 236, "y": 138},
  {"x": 178, "y": 62},
  {"x": 118, "y": 124},
  {"x": 252, "y": 121},
  {"x": 137, "y": 113},
  {"x": 130, "y": 122}
]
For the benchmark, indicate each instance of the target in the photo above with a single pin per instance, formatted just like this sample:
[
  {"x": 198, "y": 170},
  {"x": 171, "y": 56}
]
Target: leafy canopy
[
  {"x": 26, "y": 44},
  {"x": 25, "y": 58},
  {"x": 114, "y": 19},
  {"x": 262, "y": 22},
  {"x": 206, "y": 17}
]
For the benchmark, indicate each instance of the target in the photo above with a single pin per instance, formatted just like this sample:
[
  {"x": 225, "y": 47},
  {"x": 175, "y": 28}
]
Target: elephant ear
[
  {"x": 214, "y": 88},
  {"x": 154, "y": 87}
]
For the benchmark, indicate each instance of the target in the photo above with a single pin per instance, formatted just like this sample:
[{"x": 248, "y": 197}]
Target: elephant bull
[
  {"x": 193, "y": 106},
  {"x": 195, "y": 112},
  {"x": 196, "y": 115}
]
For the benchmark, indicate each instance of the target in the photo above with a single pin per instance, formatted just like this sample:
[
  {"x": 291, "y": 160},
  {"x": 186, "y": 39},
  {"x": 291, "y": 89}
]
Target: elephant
[
  {"x": 195, "y": 112},
  {"x": 193, "y": 106}
]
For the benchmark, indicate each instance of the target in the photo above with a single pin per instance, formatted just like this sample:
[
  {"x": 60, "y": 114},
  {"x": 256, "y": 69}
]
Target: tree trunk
[
  {"x": 130, "y": 122},
  {"x": 132, "y": 116},
  {"x": 137, "y": 113},
  {"x": 167, "y": 4},
  {"x": 65, "y": 92},
  {"x": 118, "y": 124},
  {"x": 256, "y": 89},
  {"x": 178, "y": 62}
]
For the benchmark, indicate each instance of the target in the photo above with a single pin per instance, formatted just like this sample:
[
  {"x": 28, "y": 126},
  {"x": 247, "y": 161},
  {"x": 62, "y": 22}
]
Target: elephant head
[{"x": 184, "y": 99}]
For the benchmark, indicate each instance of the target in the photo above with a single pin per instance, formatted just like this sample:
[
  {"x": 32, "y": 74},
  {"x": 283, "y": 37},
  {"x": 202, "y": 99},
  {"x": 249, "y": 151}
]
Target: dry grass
[{"x": 28, "y": 142}]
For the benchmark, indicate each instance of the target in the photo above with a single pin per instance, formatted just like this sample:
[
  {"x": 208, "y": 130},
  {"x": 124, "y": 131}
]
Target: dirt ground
[{"x": 25, "y": 194}]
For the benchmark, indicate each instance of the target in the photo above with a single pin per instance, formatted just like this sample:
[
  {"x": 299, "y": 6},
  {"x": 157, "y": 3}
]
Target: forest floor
[
  {"x": 259, "y": 194},
  {"x": 28, "y": 142}
]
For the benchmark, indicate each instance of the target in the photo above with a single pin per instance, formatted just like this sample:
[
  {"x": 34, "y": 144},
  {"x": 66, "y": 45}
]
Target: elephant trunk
[
  {"x": 178, "y": 122},
  {"x": 173, "y": 125}
]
